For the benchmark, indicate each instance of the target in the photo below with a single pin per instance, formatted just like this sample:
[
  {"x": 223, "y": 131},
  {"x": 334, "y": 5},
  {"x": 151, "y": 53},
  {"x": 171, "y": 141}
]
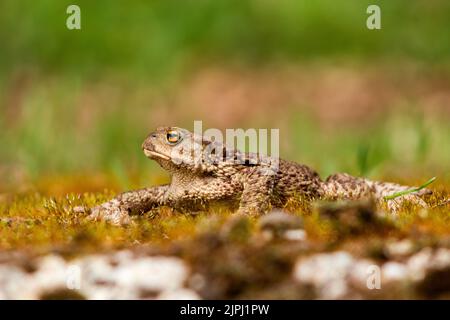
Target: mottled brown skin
[{"x": 205, "y": 172}]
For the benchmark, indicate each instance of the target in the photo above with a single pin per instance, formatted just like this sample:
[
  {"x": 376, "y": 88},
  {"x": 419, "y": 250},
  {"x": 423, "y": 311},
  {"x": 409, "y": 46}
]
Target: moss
[{"x": 34, "y": 221}]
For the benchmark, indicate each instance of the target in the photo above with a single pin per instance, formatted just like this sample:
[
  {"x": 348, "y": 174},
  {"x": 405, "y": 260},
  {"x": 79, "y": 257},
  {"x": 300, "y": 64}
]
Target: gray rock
[
  {"x": 278, "y": 223},
  {"x": 121, "y": 276},
  {"x": 399, "y": 249},
  {"x": 331, "y": 274}
]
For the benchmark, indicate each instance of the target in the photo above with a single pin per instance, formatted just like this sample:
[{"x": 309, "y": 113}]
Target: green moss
[
  {"x": 34, "y": 222},
  {"x": 231, "y": 252}
]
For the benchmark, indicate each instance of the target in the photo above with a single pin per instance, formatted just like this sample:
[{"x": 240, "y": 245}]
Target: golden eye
[{"x": 173, "y": 136}]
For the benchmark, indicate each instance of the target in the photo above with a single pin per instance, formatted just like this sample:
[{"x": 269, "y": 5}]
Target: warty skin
[{"x": 204, "y": 172}]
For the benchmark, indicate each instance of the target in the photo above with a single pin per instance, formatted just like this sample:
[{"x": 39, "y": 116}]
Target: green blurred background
[{"x": 80, "y": 102}]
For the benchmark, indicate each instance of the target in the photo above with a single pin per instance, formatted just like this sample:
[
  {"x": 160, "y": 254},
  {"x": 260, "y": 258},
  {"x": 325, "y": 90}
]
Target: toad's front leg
[{"x": 119, "y": 209}]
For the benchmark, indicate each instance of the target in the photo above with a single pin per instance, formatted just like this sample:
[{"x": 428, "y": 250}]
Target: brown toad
[{"x": 205, "y": 172}]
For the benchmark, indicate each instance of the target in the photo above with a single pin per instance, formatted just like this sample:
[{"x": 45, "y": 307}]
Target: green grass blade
[{"x": 405, "y": 192}]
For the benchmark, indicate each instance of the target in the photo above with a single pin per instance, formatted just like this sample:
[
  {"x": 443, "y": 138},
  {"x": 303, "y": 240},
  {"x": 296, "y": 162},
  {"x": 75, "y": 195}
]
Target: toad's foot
[{"x": 111, "y": 213}]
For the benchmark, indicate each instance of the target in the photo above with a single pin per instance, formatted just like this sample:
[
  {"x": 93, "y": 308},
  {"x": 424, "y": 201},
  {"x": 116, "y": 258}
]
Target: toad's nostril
[{"x": 146, "y": 144}]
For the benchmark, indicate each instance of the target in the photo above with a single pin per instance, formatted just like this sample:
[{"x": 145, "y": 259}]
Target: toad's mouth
[{"x": 154, "y": 154}]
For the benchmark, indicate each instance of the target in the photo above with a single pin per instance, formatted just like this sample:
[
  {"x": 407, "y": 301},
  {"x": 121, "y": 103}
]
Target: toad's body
[{"x": 205, "y": 172}]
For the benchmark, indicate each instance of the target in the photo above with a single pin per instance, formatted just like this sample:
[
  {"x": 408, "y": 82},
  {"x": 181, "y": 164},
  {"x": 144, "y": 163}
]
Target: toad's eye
[{"x": 173, "y": 136}]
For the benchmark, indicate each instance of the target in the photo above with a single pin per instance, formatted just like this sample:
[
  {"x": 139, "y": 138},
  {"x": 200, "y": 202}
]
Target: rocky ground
[{"x": 336, "y": 251}]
